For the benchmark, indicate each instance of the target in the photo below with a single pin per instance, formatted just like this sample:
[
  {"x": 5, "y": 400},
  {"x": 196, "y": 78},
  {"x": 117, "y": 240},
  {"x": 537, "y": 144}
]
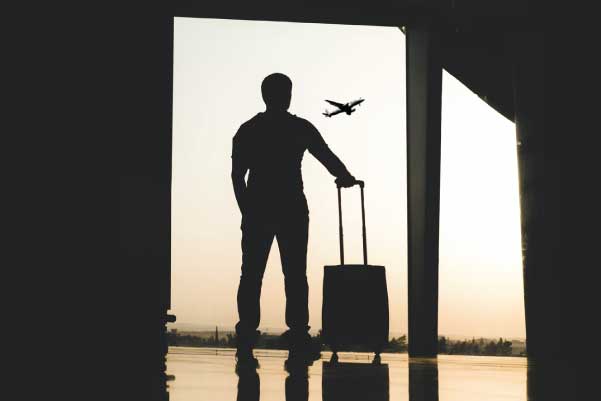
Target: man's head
[{"x": 277, "y": 91}]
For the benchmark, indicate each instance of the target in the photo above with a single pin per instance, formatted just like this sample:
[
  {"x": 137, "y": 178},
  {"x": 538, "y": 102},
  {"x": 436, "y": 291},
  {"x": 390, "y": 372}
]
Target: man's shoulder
[
  {"x": 302, "y": 122},
  {"x": 254, "y": 120},
  {"x": 298, "y": 119},
  {"x": 248, "y": 125},
  {"x": 261, "y": 120}
]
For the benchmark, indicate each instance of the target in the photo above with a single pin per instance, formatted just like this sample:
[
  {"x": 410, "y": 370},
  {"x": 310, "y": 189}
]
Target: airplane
[{"x": 346, "y": 107}]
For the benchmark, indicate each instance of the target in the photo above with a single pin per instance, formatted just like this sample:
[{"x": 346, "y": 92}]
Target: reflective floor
[{"x": 209, "y": 374}]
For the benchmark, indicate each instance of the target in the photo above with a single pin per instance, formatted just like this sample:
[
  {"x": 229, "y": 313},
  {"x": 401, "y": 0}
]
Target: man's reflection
[
  {"x": 355, "y": 382},
  {"x": 423, "y": 379},
  {"x": 248, "y": 384},
  {"x": 297, "y": 382}
]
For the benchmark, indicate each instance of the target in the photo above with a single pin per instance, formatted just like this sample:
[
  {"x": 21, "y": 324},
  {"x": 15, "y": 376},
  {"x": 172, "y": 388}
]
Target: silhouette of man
[{"x": 270, "y": 147}]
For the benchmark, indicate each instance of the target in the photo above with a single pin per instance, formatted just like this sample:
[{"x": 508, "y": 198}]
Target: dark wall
[{"x": 143, "y": 127}]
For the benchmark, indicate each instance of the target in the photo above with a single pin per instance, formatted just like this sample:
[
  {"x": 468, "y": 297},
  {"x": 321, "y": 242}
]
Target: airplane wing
[
  {"x": 339, "y": 105},
  {"x": 333, "y": 113},
  {"x": 356, "y": 102}
]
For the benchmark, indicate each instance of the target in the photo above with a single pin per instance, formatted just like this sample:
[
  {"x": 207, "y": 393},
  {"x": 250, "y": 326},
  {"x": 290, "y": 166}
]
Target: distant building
[{"x": 518, "y": 347}]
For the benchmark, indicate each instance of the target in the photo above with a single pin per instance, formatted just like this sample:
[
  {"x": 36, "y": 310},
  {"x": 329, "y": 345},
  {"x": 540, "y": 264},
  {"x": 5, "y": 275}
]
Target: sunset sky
[{"x": 218, "y": 69}]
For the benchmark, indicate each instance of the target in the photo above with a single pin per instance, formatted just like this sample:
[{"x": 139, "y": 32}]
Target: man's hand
[{"x": 346, "y": 181}]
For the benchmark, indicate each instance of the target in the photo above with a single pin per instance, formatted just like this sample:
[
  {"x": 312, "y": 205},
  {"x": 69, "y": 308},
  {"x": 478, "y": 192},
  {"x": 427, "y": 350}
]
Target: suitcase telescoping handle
[{"x": 340, "y": 231}]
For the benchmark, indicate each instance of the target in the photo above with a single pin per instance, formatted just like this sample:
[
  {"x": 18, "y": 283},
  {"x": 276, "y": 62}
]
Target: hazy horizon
[
  {"x": 218, "y": 69},
  {"x": 186, "y": 327}
]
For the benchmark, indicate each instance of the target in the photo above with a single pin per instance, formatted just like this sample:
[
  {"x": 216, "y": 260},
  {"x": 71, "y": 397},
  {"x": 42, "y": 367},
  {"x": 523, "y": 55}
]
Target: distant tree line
[
  {"x": 189, "y": 340},
  {"x": 474, "y": 346},
  {"x": 266, "y": 341},
  {"x": 395, "y": 345}
]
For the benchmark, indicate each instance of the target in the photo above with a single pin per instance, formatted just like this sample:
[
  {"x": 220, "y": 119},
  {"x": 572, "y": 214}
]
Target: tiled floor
[{"x": 209, "y": 374}]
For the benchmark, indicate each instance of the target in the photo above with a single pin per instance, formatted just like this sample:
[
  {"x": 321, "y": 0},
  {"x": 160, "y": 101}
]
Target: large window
[
  {"x": 218, "y": 69},
  {"x": 481, "y": 285},
  {"x": 219, "y": 66}
]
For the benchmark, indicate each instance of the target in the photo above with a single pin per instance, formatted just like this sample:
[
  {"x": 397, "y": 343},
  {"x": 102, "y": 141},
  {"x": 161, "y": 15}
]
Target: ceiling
[{"x": 475, "y": 35}]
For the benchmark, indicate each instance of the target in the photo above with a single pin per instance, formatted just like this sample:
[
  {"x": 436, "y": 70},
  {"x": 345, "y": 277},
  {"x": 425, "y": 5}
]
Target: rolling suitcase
[{"x": 355, "y": 300}]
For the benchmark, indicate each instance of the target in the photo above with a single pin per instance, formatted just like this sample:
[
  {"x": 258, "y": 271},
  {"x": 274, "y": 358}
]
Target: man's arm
[
  {"x": 322, "y": 152},
  {"x": 239, "y": 169}
]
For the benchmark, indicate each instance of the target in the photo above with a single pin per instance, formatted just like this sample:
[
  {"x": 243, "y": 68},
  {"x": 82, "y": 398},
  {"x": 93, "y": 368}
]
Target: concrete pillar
[
  {"x": 424, "y": 81},
  {"x": 540, "y": 183},
  {"x": 551, "y": 381}
]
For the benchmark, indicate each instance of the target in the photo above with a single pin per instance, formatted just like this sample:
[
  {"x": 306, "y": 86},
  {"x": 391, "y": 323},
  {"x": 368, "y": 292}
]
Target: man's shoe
[
  {"x": 246, "y": 359},
  {"x": 304, "y": 356}
]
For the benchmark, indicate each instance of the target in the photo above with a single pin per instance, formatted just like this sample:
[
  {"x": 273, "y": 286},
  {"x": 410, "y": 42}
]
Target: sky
[{"x": 218, "y": 69}]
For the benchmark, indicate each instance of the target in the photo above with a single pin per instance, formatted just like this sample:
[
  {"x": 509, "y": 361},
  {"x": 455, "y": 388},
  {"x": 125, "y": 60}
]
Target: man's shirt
[{"x": 270, "y": 146}]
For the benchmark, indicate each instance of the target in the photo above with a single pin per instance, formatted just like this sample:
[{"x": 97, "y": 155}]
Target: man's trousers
[{"x": 257, "y": 237}]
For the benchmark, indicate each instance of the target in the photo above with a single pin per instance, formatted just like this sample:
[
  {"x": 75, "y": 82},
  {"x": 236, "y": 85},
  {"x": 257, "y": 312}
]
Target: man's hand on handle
[{"x": 346, "y": 181}]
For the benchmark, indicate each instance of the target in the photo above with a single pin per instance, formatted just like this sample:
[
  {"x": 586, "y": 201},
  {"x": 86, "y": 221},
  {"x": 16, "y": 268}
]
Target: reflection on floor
[{"x": 209, "y": 374}]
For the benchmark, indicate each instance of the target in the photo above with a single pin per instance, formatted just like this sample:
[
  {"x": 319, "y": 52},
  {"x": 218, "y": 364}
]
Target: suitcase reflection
[{"x": 346, "y": 381}]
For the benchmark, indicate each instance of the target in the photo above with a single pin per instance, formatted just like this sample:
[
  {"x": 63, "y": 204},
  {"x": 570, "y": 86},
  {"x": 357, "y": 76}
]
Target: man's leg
[
  {"x": 256, "y": 243},
  {"x": 292, "y": 237}
]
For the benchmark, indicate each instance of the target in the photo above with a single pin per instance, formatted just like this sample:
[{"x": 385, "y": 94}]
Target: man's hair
[{"x": 276, "y": 90}]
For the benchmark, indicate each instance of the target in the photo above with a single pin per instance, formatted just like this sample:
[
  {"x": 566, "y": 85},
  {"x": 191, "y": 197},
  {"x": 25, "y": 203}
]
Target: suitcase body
[
  {"x": 355, "y": 307},
  {"x": 355, "y": 300}
]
